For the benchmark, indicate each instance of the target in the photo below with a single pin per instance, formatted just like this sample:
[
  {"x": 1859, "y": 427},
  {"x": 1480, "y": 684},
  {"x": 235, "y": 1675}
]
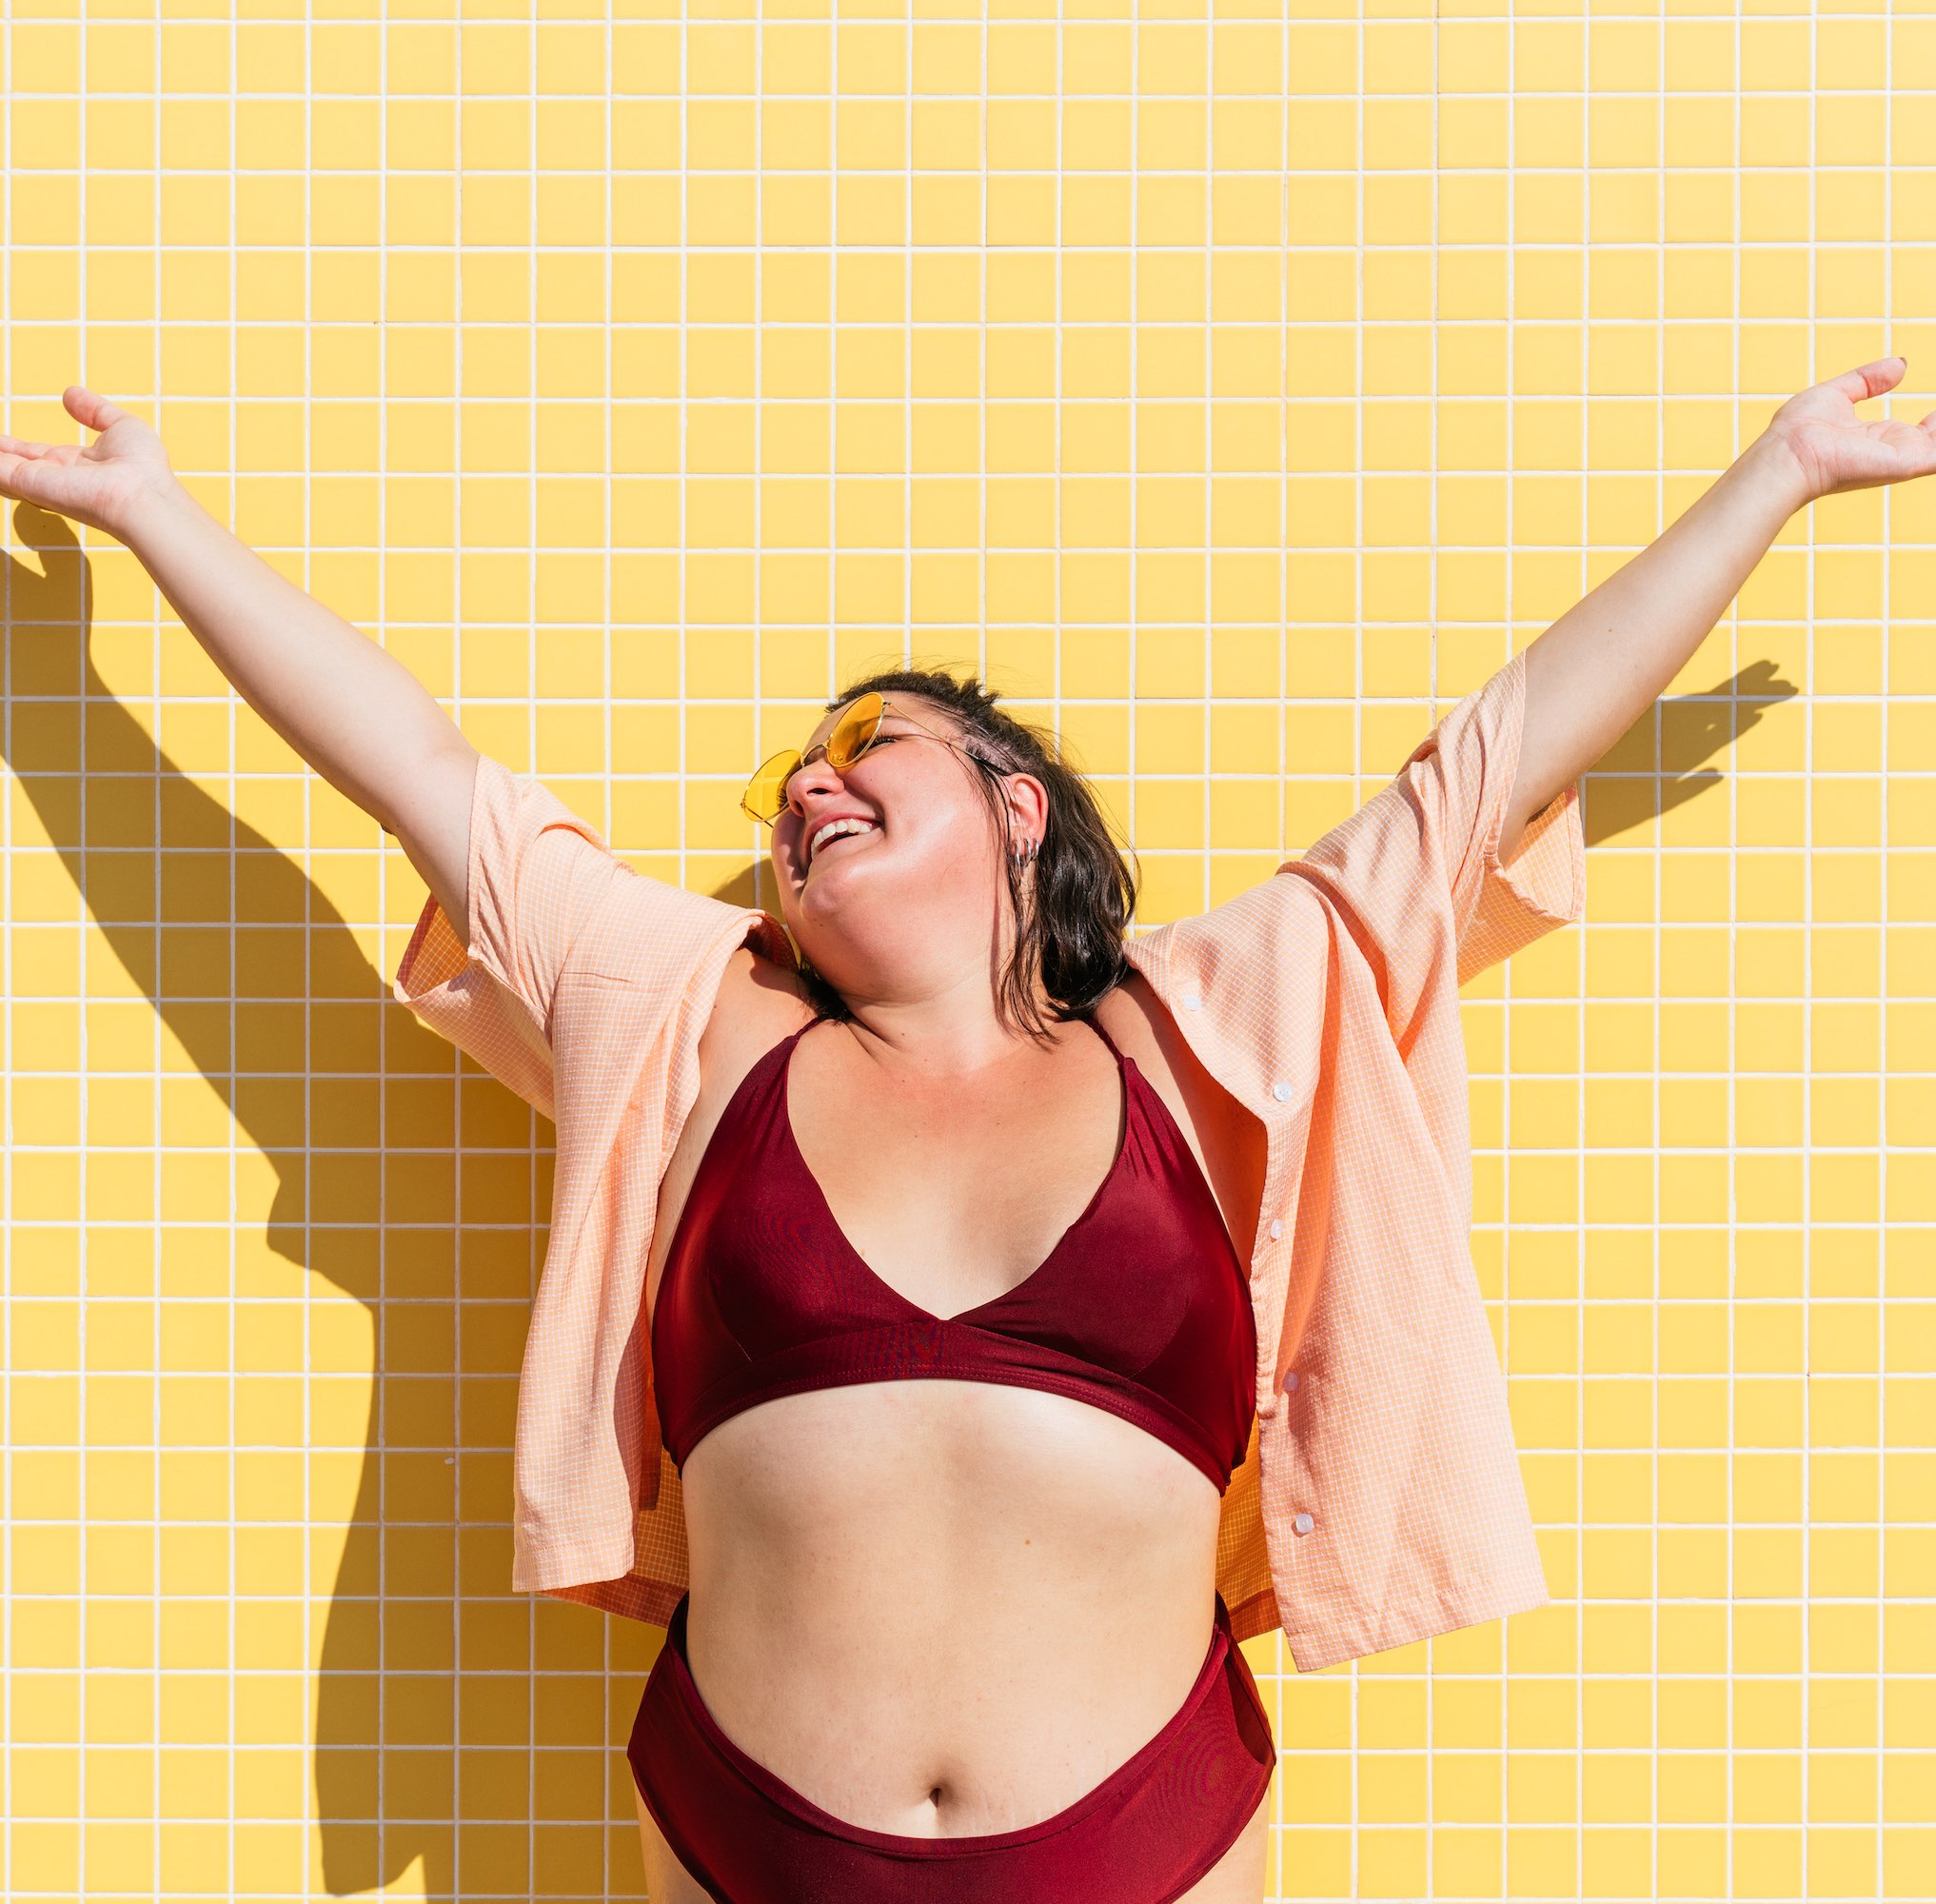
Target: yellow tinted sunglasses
[{"x": 856, "y": 731}]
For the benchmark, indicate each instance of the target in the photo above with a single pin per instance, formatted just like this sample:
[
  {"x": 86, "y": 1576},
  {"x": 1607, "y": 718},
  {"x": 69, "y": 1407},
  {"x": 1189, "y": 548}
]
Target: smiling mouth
[{"x": 814, "y": 853}]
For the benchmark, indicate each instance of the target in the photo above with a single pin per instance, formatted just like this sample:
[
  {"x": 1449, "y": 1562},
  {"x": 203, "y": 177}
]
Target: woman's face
[{"x": 895, "y": 864}]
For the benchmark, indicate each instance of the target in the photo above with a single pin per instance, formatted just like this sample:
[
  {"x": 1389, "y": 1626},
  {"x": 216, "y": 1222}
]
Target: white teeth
[{"x": 833, "y": 830}]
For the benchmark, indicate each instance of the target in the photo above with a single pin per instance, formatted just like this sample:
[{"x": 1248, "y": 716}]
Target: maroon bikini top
[{"x": 1142, "y": 1307}]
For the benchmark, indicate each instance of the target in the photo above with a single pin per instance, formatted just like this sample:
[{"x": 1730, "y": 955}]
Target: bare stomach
[{"x": 944, "y": 1608}]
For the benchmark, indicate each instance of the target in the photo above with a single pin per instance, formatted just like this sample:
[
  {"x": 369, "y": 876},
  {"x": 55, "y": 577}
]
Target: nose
[{"x": 814, "y": 779}]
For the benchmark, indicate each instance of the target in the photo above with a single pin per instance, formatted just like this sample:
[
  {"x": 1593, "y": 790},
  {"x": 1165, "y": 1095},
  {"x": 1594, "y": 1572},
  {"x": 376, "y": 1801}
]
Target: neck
[{"x": 950, "y": 1032}]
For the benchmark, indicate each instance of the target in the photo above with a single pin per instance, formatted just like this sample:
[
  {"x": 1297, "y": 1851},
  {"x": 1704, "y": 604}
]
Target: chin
[
  {"x": 836, "y": 875},
  {"x": 824, "y": 896}
]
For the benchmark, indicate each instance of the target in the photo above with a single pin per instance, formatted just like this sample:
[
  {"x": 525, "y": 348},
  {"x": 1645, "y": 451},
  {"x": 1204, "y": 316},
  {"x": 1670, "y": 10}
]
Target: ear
[{"x": 1028, "y": 806}]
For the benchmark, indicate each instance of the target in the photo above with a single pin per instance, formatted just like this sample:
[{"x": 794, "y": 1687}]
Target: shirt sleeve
[
  {"x": 536, "y": 875},
  {"x": 1417, "y": 869}
]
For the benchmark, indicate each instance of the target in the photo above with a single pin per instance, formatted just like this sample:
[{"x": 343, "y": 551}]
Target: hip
[{"x": 1156, "y": 1824}]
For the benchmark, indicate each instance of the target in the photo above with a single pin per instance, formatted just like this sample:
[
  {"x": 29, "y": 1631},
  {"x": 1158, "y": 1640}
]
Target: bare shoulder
[
  {"x": 758, "y": 1004},
  {"x": 1227, "y": 1137},
  {"x": 1141, "y": 1025}
]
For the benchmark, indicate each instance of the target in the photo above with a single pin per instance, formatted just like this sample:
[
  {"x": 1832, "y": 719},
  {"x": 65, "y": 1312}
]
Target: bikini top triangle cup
[{"x": 1142, "y": 1307}]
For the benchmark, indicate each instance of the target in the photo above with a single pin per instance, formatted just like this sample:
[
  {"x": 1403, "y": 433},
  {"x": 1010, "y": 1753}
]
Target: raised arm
[
  {"x": 1603, "y": 662},
  {"x": 355, "y": 714}
]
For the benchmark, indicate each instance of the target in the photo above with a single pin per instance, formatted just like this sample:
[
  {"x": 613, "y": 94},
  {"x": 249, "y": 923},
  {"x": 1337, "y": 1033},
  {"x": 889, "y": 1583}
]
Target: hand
[
  {"x": 101, "y": 483},
  {"x": 1835, "y": 449}
]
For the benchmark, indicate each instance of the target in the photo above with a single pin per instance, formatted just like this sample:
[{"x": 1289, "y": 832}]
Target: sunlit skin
[
  {"x": 909, "y": 1599},
  {"x": 907, "y": 923}
]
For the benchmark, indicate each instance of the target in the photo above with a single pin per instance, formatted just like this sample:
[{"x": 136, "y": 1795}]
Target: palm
[
  {"x": 94, "y": 483},
  {"x": 1839, "y": 450}
]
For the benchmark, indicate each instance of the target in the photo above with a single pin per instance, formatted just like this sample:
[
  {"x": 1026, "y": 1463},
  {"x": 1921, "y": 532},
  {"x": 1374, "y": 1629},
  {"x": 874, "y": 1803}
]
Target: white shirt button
[
  {"x": 1289, "y": 1382},
  {"x": 1281, "y": 1090},
  {"x": 1302, "y": 1523},
  {"x": 1276, "y": 1231},
  {"x": 1193, "y": 1001}
]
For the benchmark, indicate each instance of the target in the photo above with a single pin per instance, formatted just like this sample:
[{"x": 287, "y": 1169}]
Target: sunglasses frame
[{"x": 767, "y": 769}]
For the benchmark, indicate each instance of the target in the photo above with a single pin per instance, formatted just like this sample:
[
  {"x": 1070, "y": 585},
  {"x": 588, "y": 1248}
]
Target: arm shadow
[
  {"x": 1636, "y": 785},
  {"x": 427, "y": 1707}
]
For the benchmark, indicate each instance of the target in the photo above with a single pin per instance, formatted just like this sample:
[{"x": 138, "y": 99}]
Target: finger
[
  {"x": 48, "y": 481},
  {"x": 20, "y": 445},
  {"x": 1870, "y": 379},
  {"x": 88, "y": 407},
  {"x": 21, "y": 479}
]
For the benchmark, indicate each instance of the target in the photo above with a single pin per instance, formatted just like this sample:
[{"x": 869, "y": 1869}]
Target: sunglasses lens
[
  {"x": 855, "y": 734},
  {"x": 765, "y": 792},
  {"x": 765, "y": 795}
]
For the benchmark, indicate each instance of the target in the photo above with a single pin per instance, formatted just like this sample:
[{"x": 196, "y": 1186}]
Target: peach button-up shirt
[{"x": 1381, "y": 1499}]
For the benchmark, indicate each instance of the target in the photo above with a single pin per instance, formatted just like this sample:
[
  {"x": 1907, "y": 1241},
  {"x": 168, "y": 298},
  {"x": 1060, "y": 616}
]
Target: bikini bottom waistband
[{"x": 1150, "y": 1830}]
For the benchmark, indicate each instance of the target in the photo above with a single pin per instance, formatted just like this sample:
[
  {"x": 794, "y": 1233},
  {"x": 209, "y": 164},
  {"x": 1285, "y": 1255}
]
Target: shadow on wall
[
  {"x": 492, "y": 1711},
  {"x": 455, "y": 1723}
]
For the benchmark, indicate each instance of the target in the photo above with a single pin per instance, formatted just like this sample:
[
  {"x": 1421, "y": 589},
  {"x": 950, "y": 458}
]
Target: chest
[
  {"x": 954, "y": 1197},
  {"x": 954, "y": 1191}
]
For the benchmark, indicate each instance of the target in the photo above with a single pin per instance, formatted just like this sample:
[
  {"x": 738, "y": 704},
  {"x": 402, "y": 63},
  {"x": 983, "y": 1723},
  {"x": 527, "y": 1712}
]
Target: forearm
[
  {"x": 1600, "y": 667},
  {"x": 354, "y": 713}
]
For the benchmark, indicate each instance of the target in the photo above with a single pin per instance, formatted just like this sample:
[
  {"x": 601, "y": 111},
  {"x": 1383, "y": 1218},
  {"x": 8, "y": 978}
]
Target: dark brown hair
[{"x": 1073, "y": 916}]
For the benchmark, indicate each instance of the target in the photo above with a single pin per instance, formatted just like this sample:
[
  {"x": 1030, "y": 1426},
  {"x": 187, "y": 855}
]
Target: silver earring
[{"x": 1024, "y": 856}]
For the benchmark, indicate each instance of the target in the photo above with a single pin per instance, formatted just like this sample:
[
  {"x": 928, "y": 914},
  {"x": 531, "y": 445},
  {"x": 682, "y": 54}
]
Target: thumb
[
  {"x": 88, "y": 407},
  {"x": 1870, "y": 379}
]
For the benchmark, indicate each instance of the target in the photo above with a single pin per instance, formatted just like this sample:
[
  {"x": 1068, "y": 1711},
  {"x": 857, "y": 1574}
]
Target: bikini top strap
[
  {"x": 1095, "y": 1024},
  {"x": 784, "y": 1049}
]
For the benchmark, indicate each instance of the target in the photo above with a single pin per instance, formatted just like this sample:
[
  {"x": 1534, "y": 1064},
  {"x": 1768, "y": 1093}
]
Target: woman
[{"x": 962, "y": 1325}]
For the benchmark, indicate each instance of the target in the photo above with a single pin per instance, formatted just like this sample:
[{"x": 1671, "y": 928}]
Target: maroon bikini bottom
[{"x": 1149, "y": 1832}]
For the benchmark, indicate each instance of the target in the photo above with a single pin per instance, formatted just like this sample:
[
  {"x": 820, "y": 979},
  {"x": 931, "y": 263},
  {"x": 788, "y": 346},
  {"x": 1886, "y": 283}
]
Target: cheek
[
  {"x": 921, "y": 793},
  {"x": 941, "y": 831}
]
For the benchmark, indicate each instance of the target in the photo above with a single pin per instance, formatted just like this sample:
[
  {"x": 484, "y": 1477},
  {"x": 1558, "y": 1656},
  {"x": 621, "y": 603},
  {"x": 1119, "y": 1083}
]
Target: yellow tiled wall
[{"x": 1236, "y": 388}]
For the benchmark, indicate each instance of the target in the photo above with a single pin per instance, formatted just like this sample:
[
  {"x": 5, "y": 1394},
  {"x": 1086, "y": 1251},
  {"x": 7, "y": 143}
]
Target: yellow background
[{"x": 1237, "y": 390}]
